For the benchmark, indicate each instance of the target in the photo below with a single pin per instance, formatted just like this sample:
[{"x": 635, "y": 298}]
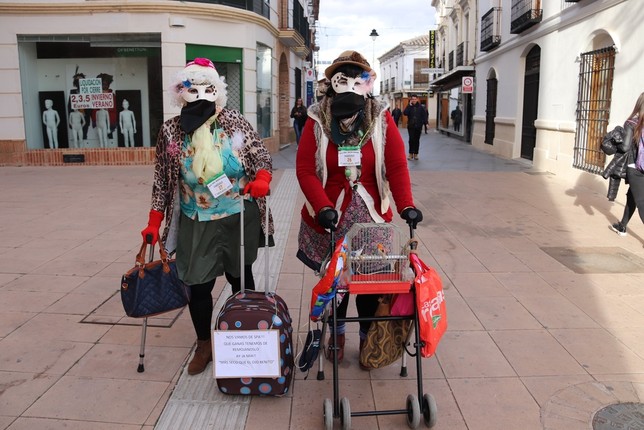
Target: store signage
[
  {"x": 309, "y": 75},
  {"x": 468, "y": 84},
  {"x": 91, "y": 96},
  {"x": 429, "y": 71},
  {"x": 135, "y": 52},
  {"x": 309, "y": 93},
  {"x": 90, "y": 86},
  {"x": 432, "y": 48}
]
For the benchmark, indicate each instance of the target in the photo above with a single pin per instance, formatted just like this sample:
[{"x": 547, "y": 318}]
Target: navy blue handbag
[{"x": 153, "y": 288}]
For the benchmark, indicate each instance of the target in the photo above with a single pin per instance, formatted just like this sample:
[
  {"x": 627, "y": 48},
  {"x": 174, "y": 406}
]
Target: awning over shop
[{"x": 451, "y": 79}]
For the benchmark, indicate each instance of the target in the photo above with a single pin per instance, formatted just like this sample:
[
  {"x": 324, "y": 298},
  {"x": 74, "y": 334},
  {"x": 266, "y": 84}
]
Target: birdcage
[{"x": 378, "y": 258}]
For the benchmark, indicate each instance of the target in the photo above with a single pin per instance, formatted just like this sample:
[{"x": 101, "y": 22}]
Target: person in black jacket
[
  {"x": 616, "y": 169},
  {"x": 632, "y": 147},
  {"x": 299, "y": 115},
  {"x": 457, "y": 118},
  {"x": 396, "y": 114},
  {"x": 416, "y": 118}
]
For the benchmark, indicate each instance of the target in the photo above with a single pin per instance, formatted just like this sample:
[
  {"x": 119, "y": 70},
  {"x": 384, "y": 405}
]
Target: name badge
[
  {"x": 349, "y": 156},
  {"x": 219, "y": 184}
]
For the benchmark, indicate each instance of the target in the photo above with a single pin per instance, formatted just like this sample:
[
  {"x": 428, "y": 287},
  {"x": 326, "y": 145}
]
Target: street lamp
[{"x": 374, "y": 34}]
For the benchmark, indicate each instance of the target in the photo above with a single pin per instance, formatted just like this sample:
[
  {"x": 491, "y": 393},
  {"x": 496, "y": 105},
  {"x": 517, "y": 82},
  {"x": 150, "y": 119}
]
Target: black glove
[
  {"x": 412, "y": 215},
  {"x": 328, "y": 218}
]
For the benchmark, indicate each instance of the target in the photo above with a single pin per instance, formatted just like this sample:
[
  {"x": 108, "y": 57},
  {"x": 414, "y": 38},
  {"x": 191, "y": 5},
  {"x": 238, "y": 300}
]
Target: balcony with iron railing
[
  {"x": 260, "y": 7},
  {"x": 525, "y": 14},
  {"x": 294, "y": 28},
  {"x": 490, "y": 29},
  {"x": 386, "y": 86},
  {"x": 451, "y": 60},
  {"x": 460, "y": 54}
]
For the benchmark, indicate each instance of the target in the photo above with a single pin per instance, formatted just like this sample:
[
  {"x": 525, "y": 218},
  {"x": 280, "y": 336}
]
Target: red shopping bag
[{"x": 430, "y": 301}]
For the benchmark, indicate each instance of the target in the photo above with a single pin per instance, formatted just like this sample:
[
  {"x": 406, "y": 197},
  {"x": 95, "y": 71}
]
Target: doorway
[
  {"x": 490, "y": 108},
  {"x": 530, "y": 103},
  {"x": 285, "y": 130}
]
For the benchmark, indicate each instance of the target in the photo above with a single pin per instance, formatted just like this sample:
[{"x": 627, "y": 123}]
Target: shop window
[
  {"x": 419, "y": 76},
  {"x": 264, "y": 90},
  {"x": 451, "y": 111},
  {"x": 91, "y": 91},
  {"x": 228, "y": 62}
]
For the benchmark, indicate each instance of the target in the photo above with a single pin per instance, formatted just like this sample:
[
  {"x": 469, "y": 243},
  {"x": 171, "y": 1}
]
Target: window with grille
[
  {"x": 419, "y": 76},
  {"x": 593, "y": 108}
]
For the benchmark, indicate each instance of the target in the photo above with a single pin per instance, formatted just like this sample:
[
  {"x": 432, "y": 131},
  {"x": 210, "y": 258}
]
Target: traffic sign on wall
[{"x": 468, "y": 84}]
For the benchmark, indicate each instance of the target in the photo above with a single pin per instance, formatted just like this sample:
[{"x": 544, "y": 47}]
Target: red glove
[
  {"x": 260, "y": 186},
  {"x": 154, "y": 223}
]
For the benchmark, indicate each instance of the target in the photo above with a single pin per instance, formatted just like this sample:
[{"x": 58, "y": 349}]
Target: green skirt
[{"x": 207, "y": 249}]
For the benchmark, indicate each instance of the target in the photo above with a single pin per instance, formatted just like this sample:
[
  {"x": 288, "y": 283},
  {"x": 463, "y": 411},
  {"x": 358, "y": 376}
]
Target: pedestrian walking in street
[
  {"x": 633, "y": 145},
  {"x": 416, "y": 118},
  {"x": 457, "y": 118},
  {"x": 207, "y": 159},
  {"x": 351, "y": 156},
  {"x": 396, "y": 114},
  {"x": 298, "y": 113}
]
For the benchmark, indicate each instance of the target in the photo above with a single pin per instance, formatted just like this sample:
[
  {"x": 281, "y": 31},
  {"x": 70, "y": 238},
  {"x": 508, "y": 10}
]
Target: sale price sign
[{"x": 91, "y": 96}]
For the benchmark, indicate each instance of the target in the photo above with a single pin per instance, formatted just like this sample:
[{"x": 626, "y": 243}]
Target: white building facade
[
  {"x": 553, "y": 76},
  {"x": 89, "y": 56},
  {"x": 402, "y": 75},
  {"x": 453, "y": 53}
]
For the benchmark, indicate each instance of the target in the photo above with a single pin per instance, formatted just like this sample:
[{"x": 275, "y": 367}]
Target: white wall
[{"x": 563, "y": 35}]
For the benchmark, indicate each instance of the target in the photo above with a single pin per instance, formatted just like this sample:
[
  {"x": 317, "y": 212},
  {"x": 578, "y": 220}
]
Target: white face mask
[
  {"x": 199, "y": 92},
  {"x": 341, "y": 83}
]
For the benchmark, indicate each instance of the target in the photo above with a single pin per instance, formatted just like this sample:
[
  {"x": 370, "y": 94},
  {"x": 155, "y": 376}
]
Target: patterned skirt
[{"x": 314, "y": 247}]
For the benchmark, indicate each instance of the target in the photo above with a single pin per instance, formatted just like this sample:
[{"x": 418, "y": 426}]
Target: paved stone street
[{"x": 545, "y": 304}]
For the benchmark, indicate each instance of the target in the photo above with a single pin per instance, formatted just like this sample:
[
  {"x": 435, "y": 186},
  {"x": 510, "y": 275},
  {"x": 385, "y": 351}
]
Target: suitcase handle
[{"x": 242, "y": 267}]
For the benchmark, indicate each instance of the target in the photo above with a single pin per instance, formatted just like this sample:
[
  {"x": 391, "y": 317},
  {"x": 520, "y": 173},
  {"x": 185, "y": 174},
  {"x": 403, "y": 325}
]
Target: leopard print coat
[{"x": 253, "y": 154}]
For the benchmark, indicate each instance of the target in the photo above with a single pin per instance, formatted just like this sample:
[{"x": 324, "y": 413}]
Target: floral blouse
[{"x": 197, "y": 202}]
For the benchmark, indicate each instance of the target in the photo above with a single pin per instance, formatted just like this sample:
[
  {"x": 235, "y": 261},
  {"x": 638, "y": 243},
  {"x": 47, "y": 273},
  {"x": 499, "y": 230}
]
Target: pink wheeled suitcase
[{"x": 252, "y": 339}]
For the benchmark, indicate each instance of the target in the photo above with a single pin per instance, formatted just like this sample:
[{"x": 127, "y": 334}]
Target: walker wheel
[
  {"x": 345, "y": 413},
  {"x": 328, "y": 414},
  {"x": 430, "y": 410},
  {"x": 413, "y": 411}
]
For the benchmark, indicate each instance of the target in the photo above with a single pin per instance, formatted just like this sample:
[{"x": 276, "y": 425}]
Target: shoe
[
  {"x": 203, "y": 356},
  {"x": 331, "y": 349},
  {"x": 415, "y": 156},
  {"x": 410, "y": 157},
  {"x": 618, "y": 228}
]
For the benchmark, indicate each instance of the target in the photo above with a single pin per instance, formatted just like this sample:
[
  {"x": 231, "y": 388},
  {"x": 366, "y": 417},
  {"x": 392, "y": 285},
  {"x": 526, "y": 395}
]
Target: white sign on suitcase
[{"x": 246, "y": 353}]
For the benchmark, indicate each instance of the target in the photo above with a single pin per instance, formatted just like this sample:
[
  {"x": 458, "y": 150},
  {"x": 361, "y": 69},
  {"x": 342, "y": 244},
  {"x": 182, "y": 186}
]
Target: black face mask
[
  {"x": 194, "y": 114},
  {"x": 346, "y": 105}
]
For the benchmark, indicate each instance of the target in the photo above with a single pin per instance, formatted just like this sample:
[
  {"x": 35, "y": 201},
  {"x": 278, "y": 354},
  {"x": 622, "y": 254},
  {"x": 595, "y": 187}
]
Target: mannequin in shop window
[
  {"x": 51, "y": 119},
  {"x": 87, "y": 113},
  {"x": 76, "y": 124},
  {"x": 103, "y": 127},
  {"x": 127, "y": 122}
]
